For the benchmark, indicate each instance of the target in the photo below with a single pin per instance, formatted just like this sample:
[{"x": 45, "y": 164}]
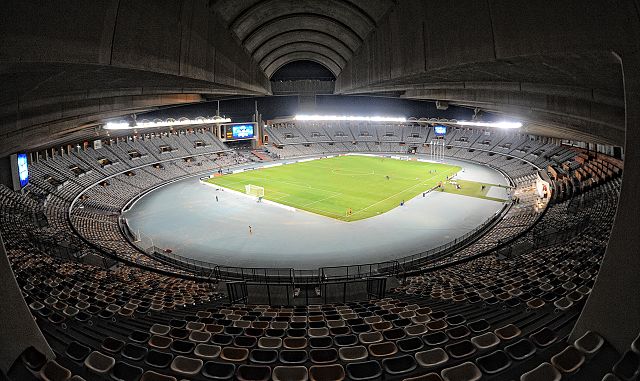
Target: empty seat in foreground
[
  {"x": 253, "y": 373},
  {"x": 589, "y": 343},
  {"x": 52, "y": 371},
  {"x": 99, "y": 363},
  {"x": 520, "y": 350},
  {"x": 467, "y": 371},
  {"x": 569, "y": 360},
  {"x": 494, "y": 362},
  {"x": 364, "y": 370},
  {"x": 186, "y": 366},
  {"x": 154, "y": 376},
  {"x": 351, "y": 354},
  {"x": 290, "y": 373},
  {"x": 399, "y": 365},
  {"x": 218, "y": 371},
  {"x": 123, "y": 371},
  {"x": 432, "y": 358},
  {"x": 333, "y": 372},
  {"x": 544, "y": 371},
  {"x": 628, "y": 367},
  {"x": 425, "y": 377}
]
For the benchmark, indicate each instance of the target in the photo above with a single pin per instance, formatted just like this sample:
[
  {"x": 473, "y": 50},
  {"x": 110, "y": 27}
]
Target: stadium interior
[{"x": 319, "y": 190}]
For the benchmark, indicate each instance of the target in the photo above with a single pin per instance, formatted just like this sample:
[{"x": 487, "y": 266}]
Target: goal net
[{"x": 254, "y": 190}]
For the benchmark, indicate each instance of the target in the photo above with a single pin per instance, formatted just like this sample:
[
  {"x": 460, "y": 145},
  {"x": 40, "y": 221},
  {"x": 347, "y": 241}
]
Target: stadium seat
[
  {"x": 544, "y": 371},
  {"x": 160, "y": 342},
  {"x": 323, "y": 356},
  {"x": 33, "y": 358},
  {"x": 410, "y": 344},
  {"x": 544, "y": 337},
  {"x": 221, "y": 339},
  {"x": 460, "y": 349},
  {"x": 589, "y": 343},
  {"x": 507, "y": 332},
  {"x": 186, "y": 366},
  {"x": 290, "y": 373},
  {"x": 628, "y": 367},
  {"x": 520, "y": 350},
  {"x": 263, "y": 356},
  {"x": 218, "y": 370},
  {"x": 112, "y": 345},
  {"x": 159, "y": 329},
  {"x": 352, "y": 354},
  {"x": 139, "y": 336},
  {"x": 370, "y": 338},
  {"x": 199, "y": 337},
  {"x": 123, "y": 371},
  {"x": 245, "y": 341},
  {"x": 399, "y": 365},
  {"x": 364, "y": 370},
  {"x": 485, "y": 341},
  {"x": 345, "y": 340},
  {"x": 154, "y": 376},
  {"x": 52, "y": 371},
  {"x": 467, "y": 371},
  {"x": 635, "y": 344},
  {"x": 182, "y": 347},
  {"x": 99, "y": 363},
  {"x": 294, "y": 343},
  {"x": 253, "y": 373},
  {"x": 415, "y": 330},
  {"x": 495, "y": 362},
  {"x": 393, "y": 334},
  {"x": 425, "y": 377},
  {"x": 458, "y": 332},
  {"x": 569, "y": 360},
  {"x": 435, "y": 338},
  {"x": 293, "y": 356},
  {"x": 432, "y": 358},
  {"x": 333, "y": 372},
  {"x": 158, "y": 359},
  {"x": 77, "y": 352},
  {"x": 383, "y": 349},
  {"x": 321, "y": 342},
  {"x": 133, "y": 352}
]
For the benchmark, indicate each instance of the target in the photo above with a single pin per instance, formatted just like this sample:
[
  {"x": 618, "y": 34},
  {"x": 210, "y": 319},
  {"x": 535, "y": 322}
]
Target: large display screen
[
  {"x": 242, "y": 131},
  {"x": 237, "y": 131},
  {"x": 23, "y": 170},
  {"x": 440, "y": 130}
]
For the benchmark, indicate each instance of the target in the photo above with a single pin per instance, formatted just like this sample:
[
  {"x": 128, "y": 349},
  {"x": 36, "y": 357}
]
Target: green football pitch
[{"x": 366, "y": 185}]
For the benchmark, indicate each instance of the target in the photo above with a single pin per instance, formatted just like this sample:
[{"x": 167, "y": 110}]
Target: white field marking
[
  {"x": 402, "y": 191},
  {"x": 322, "y": 199},
  {"x": 277, "y": 180}
]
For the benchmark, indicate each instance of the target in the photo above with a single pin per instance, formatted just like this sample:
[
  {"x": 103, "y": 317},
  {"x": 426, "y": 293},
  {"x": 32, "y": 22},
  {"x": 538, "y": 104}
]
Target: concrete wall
[
  {"x": 18, "y": 329},
  {"x": 613, "y": 308},
  {"x": 64, "y": 60},
  {"x": 502, "y": 55}
]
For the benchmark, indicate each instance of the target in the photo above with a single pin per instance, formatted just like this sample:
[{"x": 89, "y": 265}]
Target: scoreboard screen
[
  {"x": 440, "y": 130},
  {"x": 239, "y": 131}
]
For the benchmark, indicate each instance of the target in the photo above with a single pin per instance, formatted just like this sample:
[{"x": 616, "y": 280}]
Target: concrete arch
[
  {"x": 324, "y": 24},
  {"x": 302, "y": 35},
  {"x": 302, "y": 55},
  {"x": 302, "y": 47},
  {"x": 266, "y": 11}
]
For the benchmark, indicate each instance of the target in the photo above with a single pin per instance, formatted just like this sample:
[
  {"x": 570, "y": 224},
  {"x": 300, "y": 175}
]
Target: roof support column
[{"x": 613, "y": 308}]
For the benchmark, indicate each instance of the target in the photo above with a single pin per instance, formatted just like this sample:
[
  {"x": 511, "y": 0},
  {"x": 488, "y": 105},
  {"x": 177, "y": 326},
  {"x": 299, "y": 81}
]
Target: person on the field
[{"x": 250, "y": 230}]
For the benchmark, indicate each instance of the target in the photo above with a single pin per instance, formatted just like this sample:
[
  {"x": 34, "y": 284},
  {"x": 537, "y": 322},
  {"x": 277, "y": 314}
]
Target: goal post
[{"x": 254, "y": 190}]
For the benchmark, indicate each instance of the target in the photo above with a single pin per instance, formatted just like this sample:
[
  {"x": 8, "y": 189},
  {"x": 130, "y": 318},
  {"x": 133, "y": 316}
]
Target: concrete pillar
[
  {"x": 613, "y": 308},
  {"x": 18, "y": 329}
]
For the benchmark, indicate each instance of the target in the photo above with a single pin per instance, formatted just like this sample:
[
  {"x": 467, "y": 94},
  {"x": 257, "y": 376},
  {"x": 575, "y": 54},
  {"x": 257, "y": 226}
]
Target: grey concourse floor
[{"x": 185, "y": 217}]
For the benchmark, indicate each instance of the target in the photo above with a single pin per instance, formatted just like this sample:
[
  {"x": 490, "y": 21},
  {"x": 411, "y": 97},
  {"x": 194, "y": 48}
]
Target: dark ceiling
[{"x": 276, "y": 32}]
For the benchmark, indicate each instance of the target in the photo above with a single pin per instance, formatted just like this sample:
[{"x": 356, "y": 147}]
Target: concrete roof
[{"x": 555, "y": 65}]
